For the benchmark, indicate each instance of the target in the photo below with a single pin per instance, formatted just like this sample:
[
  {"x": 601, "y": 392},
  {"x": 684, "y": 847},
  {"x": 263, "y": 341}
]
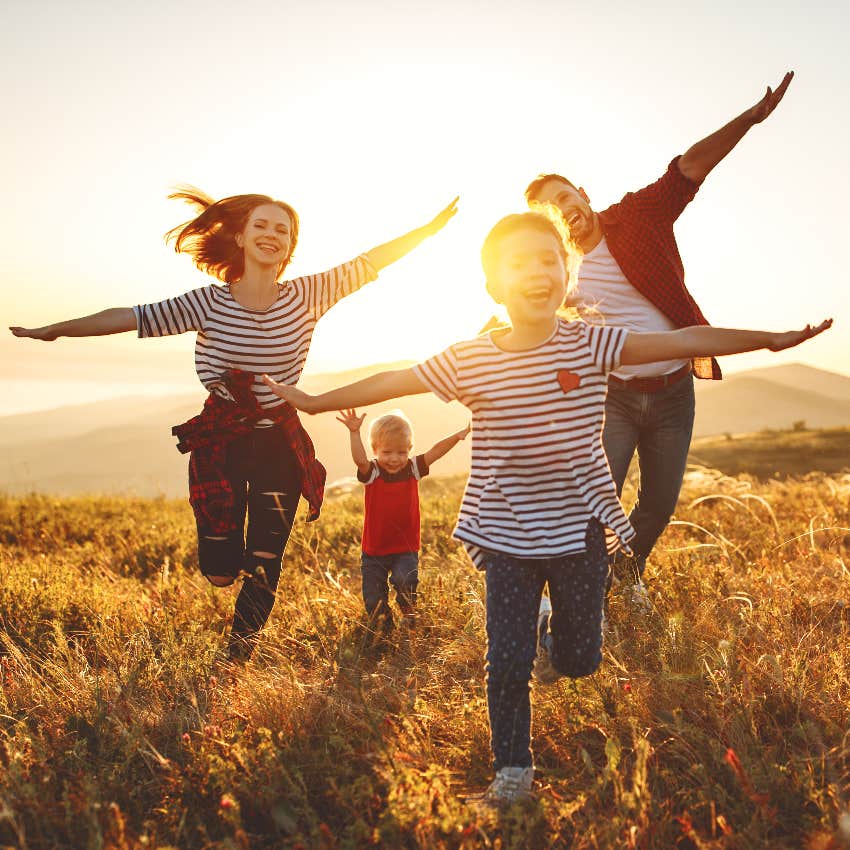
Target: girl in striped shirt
[
  {"x": 540, "y": 497},
  {"x": 248, "y": 456}
]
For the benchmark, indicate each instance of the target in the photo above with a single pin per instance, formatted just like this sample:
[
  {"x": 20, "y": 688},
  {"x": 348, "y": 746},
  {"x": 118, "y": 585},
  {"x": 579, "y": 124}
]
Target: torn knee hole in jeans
[
  {"x": 259, "y": 571},
  {"x": 220, "y": 581},
  {"x": 276, "y": 497}
]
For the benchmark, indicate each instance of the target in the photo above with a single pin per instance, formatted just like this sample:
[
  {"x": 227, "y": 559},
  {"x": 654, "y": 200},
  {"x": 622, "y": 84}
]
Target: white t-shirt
[
  {"x": 539, "y": 471},
  {"x": 605, "y": 290}
]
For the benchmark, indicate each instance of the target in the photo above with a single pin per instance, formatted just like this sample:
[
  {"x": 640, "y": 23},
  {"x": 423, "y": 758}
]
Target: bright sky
[{"x": 369, "y": 117}]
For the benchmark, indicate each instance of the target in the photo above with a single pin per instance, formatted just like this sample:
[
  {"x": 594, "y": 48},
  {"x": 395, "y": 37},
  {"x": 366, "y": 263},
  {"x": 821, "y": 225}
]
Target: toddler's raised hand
[{"x": 350, "y": 419}]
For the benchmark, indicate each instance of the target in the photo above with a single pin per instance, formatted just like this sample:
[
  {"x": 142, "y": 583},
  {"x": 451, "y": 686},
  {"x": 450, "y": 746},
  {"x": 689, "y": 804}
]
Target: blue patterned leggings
[{"x": 514, "y": 587}]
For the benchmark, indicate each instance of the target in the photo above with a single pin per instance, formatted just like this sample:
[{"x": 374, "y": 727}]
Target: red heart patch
[{"x": 568, "y": 380}]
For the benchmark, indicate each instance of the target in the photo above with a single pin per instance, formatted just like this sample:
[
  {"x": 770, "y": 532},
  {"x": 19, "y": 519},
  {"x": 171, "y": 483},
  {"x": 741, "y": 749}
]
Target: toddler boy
[{"x": 391, "y": 516}]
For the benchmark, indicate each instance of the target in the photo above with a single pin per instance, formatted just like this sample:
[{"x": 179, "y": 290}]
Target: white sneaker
[
  {"x": 510, "y": 785},
  {"x": 639, "y": 598},
  {"x": 543, "y": 671}
]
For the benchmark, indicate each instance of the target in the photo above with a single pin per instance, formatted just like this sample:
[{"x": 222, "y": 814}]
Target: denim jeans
[
  {"x": 266, "y": 486},
  {"x": 378, "y": 571},
  {"x": 514, "y": 587},
  {"x": 659, "y": 425}
]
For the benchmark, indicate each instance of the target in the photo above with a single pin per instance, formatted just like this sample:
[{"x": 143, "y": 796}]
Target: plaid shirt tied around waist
[
  {"x": 221, "y": 421},
  {"x": 639, "y": 232}
]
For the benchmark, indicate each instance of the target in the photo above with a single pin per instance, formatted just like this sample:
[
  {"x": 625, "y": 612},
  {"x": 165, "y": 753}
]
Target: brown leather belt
[{"x": 651, "y": 385}]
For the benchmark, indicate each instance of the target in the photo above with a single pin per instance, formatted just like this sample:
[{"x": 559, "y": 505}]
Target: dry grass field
[{"x": 718, "y": 720}]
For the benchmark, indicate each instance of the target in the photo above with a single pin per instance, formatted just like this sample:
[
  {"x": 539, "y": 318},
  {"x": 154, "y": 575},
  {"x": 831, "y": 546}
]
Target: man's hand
[
  {"x": 781, "y": 341},
  {"x": 699, "y": 159},
  {"x": 770, "y": 100},
  {"x": 351, "y": 420}
]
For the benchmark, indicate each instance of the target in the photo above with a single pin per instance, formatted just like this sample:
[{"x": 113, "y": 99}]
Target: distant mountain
[
  {"x": 797, "y": 376},
  {"x": 775, "y": 397},
  {"x": 125, "y": 445}
]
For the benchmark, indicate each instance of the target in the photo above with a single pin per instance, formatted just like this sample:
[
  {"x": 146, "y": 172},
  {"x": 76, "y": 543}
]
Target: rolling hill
[{"x": 125, "y": 445}]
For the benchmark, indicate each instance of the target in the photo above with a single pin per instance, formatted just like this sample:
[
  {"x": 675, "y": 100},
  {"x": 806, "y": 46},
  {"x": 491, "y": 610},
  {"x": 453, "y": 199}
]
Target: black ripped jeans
[{"x": 266, "y": 485}]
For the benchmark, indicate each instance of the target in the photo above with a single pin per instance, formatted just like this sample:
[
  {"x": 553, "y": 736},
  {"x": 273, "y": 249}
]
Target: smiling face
[
  {"x": 574, "y": 205},
  {"x": 266, "y": 239},
  {"x": 528, "y": 274},
  {"x": 392, "y": 452}
]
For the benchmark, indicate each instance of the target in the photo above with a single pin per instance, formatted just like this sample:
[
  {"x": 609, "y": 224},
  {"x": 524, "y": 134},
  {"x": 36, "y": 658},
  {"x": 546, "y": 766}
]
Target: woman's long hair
[{"x": 210, "y": 238}]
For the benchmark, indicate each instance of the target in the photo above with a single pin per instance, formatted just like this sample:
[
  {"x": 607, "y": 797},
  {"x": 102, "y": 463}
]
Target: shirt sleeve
[
  {"x": 439, "y": 374},
  {"x": 420, "y": 468},
  {"x": 666, "y": 198},
  {"x": 178, "y": 315},
  {"x": 321, "y": 291},
  {"x": 370, "y": 475},
  {"x": 605, "y": 344}
]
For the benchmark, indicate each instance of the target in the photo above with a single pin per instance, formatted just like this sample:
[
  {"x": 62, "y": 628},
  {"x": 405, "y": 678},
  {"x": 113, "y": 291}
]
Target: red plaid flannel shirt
[
  {"x": 206, "y": 436},
  {"x": 639, "y": 232}
]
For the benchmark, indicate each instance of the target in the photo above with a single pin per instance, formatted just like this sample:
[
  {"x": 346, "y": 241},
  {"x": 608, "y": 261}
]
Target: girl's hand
[
  {"x": 297, "y": 398},
  {"x": 47, "y": 333},
  {"x": 442, "y": 219},
  {"x": 789, "y": 339},
  {"x": 351, "y": 420},
  {"x": 464, "y": 433}
]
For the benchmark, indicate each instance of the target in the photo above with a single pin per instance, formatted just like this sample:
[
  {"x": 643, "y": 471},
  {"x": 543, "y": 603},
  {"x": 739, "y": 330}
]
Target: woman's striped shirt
[
  {"x": 539, "y": 471},
  {"x": 273, "y": 341}
]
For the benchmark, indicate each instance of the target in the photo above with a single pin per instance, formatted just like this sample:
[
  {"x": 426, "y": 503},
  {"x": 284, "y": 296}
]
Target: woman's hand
[
  {"x": 351, "y": 420},
  {"x": 115, "y": 320},
  {"x": 46, "y": 334},
  {"x": 442, "y": 219},
  {"x": 382, "y": 255},
  {"x": 781, "y": 341},
  {"x": 297, "y": 398}
]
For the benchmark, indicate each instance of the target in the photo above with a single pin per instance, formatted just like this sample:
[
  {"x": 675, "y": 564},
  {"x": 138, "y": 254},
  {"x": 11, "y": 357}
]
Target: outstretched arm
[
  {"x": 116, "y": 320},
  {"x": 445, "y": 445},
  {"x": 389, "y": 252},
  {"x": 698, "y": 160},
  {"x": 353, "y": 422},
  {"x": 705, "y": 341},
  {"x": 380, "y": 387}
]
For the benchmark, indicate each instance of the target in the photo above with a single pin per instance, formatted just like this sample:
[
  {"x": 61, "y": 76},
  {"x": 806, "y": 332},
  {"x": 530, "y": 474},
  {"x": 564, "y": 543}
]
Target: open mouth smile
[
  {"x": 537, "y": 294},
  {"x": 574, "y": 219}
]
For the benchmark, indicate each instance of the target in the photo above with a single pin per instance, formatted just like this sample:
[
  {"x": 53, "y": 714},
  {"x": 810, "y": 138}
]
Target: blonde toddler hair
[{"x": 394, "y": 424}]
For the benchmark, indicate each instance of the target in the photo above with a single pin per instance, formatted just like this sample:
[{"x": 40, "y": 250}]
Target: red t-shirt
[{"x": 391, "y": 515}]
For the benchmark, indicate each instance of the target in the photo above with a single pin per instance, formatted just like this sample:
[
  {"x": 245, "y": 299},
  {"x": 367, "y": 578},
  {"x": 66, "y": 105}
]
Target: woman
[{"x": 249, "y": 452}]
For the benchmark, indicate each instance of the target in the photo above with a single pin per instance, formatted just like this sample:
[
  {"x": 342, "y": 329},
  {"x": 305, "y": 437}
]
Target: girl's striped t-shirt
[
  {"x": 273, "y": 341},
  {"x": 539, "y": 471}
]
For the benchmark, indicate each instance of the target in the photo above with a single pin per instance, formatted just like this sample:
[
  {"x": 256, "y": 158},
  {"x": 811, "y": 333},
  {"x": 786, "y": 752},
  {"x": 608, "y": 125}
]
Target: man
[{"x": 633, "y": 276}]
